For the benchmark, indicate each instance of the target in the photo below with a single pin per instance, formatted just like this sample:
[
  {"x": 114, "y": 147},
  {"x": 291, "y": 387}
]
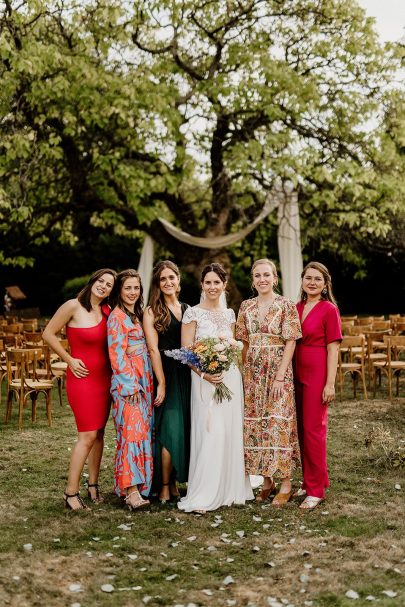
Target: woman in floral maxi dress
[
  {"x": 132, "y": 392},
  {"x": 269, "y": 325}
]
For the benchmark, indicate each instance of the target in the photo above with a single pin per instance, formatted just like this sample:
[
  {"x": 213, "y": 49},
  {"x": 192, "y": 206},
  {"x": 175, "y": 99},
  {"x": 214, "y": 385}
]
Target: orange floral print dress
[{"x": 270, "y": 427}]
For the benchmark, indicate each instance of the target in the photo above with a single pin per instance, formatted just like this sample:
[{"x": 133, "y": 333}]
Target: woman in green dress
[{"x": 162, "y": 326}]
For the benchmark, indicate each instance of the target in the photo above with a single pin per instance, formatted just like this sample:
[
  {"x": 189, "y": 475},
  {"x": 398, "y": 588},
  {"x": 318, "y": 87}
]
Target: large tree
[{"x": 191, "y": 110}]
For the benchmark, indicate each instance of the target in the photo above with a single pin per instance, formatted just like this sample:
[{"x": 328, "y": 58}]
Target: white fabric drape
[
  {"x": 289, "y": 245},
  {"x": 219, "y": 242},
  {"x": 145, "y": 266}
]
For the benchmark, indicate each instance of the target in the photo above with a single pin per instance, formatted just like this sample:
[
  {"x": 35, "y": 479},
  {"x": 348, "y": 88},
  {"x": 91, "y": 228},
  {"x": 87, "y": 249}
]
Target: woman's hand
[
  {"x": 78, "y": 367},
  {"x": 328, "y": 394},
  {"x": 214, "y": 378},
  {"x": 160, "y": 395},
  {"x": 277, "y": 389}
]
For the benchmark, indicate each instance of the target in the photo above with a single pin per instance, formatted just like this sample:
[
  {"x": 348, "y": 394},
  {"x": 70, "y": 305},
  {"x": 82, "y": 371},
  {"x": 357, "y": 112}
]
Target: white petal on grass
[
  {"x": 108, "y": 554},
  {"x": 95, "y": 539},
  {"x": 397, "y": 487},
  {"x": 215, "y": 524},
  {"x": 211, "y": 548},
  {"x": 56, "y": 540},
  {"x": 370, "y": 597},
  {"x": 75, "y": 588},
  {"x": 255, "y": 549},
  {"x": 169, "y": 578},
  {"x": 352, "y": 594},
  {"x": 228, "y": 580},
  {"x": 136, "y": 587},
  {"x": 325, "y": 513},
  {"x": 258, "y": 519},
  {"x": 124, "y": 527},
  {"x": 266, "y": 526},
  {"x": 192, "y": 538},
  {"x": 304, "y": 578},
  {"x": 271, "y": 564},
  {"x": 27, "y": 547},
  {"x": 107, "y": 588},
  {"x": 391, "y": 593},
  {"x": 89, "y": 554},
  {"x": 230, "y": 560},
  {"x": 207, "y": 591},
  {"x": 75, "y": 605},
  {"x": 163, "y": 554},
  {"x": 240, "y": 533},
  {"x": 16, "y": 577}
]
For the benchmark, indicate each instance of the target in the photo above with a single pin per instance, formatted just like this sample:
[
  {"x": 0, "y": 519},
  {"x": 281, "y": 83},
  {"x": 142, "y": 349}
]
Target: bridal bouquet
[{"x": 211, "y": 355}]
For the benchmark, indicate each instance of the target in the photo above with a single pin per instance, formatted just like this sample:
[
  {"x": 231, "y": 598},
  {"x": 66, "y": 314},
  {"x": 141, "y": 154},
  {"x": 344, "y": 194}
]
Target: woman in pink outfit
[{"x": 315, "y": 366}]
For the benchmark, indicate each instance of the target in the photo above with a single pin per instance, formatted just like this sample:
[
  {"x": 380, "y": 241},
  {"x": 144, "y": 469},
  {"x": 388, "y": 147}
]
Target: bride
[{"x": 217, "y": 472}]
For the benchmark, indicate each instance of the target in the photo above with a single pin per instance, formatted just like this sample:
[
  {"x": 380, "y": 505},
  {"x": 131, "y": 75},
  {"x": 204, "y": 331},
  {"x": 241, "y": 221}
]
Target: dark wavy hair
[
  {"x": 85, "y": 293},
  {"x": 316, "y": 265},
  {"x": 214, "y": 267},
  {"x": 157, "y": 301},
  {"x": 119, "y": 283}
]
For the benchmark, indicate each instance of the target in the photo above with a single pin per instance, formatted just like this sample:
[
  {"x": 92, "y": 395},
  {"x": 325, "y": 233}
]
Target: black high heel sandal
[
  {"x": 67, "y": 496},
  {"x": 98, "y": 499}
]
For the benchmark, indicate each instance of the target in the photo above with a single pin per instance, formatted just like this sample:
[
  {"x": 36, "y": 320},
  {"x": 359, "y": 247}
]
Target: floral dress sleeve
[
  {"x": 241, "y": 331},
  {"x": 291, "y": 326},
  {"x": 124, "y": 379}
]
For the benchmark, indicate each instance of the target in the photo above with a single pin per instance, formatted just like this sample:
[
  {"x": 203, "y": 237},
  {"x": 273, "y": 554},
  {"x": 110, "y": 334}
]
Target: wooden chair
[
  {"x": 375, "y": 350},
  {"x": 393, "y": 366},
  {"x": 22, "y": 383},
  {"x": 30, "y": 325},
  {"x": 52, "y": 371},
  {"x": 349, "y": 319},
  {"x": 353, "y": 366}
]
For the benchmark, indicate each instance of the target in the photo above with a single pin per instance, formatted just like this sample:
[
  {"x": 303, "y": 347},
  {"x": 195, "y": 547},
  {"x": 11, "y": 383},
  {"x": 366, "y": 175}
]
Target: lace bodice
[{"x": 210, "y": 323}]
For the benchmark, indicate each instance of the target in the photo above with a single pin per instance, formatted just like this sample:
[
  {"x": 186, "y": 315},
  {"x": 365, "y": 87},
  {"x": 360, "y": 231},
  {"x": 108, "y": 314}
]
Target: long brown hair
[
  {"x": 316, "y": 265},
  {"x": 119, "y": 283},
  {"x": 85, "y": 293},
  {"x": 157, "y": 301}
]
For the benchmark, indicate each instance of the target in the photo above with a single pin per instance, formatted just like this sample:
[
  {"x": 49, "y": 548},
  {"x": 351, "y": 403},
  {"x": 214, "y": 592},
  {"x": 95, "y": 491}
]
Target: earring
[{"x": 324, "y": 291}]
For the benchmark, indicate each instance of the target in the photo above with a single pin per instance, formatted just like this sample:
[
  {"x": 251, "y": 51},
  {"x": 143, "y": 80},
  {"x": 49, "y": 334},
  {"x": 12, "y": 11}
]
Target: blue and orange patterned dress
[{"x": 132, "y": 375}]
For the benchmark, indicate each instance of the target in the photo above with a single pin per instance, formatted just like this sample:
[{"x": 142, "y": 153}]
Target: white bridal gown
[{"x": 217, "y": 472}]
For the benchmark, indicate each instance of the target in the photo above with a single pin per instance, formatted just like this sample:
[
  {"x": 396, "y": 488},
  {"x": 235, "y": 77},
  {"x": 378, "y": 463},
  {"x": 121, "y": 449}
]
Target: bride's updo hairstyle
[
  {"x": 214, "y": 267},
  {"x": 157, "y": 302}
]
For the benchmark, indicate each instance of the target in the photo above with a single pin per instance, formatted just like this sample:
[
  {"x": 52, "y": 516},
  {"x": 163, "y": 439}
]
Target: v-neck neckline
[
  {"x": 174, "y": 315},
  {"x": 306, "y": 316},
  {"x": 263, "y": 320}
]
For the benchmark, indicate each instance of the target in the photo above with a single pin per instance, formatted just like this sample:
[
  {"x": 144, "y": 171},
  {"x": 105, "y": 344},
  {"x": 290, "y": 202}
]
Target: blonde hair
[{"x": 267, "y": 262}]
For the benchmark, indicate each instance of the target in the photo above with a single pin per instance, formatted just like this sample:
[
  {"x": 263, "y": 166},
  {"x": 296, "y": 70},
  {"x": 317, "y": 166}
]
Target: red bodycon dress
[
  {"x": 320, "y": 327},
  {"x": 89, "y": 396}
]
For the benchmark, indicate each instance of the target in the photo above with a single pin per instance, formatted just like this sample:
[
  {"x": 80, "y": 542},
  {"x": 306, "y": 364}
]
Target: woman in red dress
[
  {"x": 315, "y": 365},
  {"x": 88, "y": 377}
]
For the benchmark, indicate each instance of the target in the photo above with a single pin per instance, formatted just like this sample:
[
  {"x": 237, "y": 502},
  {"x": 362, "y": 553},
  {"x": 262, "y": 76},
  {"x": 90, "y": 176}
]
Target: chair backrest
[
  {"x": 366, "y": 320},
  {"x": 15, "y": 327},
  {"x": 348, "y": 343},
  {"x": 358, "y": 330},
  {"x": 348, "y": 318},
  {"x": 346, "y": 326},
  {"x": 399, "y": 326},
  {"x": 33, "y": 336},
  {"x": 30, "y": 325},
  {"x": 9, "y": 341},
  {"x": 21, "y": 360},
  {"x": 379, "y": 325},
  {"x": 395, "y": 344}
]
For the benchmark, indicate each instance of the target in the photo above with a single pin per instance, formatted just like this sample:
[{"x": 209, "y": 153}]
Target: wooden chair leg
[
  {"x": 34, "y": 397},
  {"x": 60, "y": 381},
  {"x": 20, "y": 412},
  {"x": 389, "y": 374},
  {"x": 9, "y": 404},
  {"x": 49, "y": 407},
  {"x": 363, "y": 379}
]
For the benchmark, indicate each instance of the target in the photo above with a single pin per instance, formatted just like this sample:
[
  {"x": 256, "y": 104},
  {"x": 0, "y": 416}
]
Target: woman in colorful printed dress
[
  {"x": 162, "y": 325},
  {"x": 315, "y": 366},
  {"x": 87, "y": 378},
  {"x": 132, "y": 392},
  {"x": 269, "y": 325}
]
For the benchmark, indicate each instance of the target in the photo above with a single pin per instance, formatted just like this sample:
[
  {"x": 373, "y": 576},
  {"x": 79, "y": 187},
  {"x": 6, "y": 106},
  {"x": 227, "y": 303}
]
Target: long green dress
[{"x": 172, "y": 418}]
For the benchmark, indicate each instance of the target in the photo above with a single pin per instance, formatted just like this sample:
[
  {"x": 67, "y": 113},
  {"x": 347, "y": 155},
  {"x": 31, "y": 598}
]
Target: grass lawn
[{"x": 243, "y": 556}]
